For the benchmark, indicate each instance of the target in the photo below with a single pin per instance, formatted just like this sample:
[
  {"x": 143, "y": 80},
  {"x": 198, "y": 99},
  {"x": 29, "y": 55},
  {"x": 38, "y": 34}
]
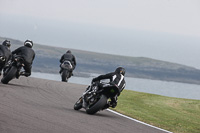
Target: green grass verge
[{"x": 173, "y": 114}]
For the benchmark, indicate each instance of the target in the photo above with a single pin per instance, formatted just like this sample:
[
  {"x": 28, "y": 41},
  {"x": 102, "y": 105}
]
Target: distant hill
[{"x": 47, "y": 61}]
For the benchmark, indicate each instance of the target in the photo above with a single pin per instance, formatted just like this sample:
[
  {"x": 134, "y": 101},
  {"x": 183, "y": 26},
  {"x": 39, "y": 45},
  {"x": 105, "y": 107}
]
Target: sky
[
  {"x": 162, "y": 29},
  {"x": 173, "y": 16}
]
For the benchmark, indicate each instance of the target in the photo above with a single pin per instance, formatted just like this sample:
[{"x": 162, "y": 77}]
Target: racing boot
[
  {"x": 17, "y": 75},
  {"x": 24, "y": 73},
  {"x": 72, "y": 74},
  {"x": 113, "y": 102}
]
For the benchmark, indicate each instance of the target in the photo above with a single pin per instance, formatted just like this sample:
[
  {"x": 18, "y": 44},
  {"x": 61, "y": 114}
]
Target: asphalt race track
[{"x": 31, "y": 105}]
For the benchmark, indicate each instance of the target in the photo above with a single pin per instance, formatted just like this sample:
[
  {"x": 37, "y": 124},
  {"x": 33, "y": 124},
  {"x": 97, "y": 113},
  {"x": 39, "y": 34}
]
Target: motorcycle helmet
[
  {"x": 120, "y": 70},
  {"x": 69, "y": 51},
  {"x": 6, "y": 43},
  {"x": 28, "y": 43}
]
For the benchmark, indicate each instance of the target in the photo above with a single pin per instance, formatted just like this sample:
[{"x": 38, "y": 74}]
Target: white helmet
[{"x": 28, "y": 43}]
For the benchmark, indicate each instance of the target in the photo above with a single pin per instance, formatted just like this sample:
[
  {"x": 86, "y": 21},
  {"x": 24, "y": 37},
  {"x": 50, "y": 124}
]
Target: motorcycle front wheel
[{"x": 78, "y": 104}]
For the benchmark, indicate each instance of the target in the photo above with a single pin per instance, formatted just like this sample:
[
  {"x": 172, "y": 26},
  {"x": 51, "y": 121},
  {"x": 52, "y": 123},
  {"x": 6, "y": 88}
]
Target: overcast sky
[
  {"x": 173, "y": 16},
  {"x": 161, "y": 29}
]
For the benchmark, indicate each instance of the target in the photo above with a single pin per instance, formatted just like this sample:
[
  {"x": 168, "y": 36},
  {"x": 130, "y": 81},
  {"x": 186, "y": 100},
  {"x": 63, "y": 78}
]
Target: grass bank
[{"x": 173, "y": 114}]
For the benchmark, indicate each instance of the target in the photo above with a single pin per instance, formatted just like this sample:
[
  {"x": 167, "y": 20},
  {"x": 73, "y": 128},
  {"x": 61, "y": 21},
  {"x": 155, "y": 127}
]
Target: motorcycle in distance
[
  {"x": 12, "y": 71},
  {"x": 67, "y": 69},
  {"x": 96, "y": 99}
]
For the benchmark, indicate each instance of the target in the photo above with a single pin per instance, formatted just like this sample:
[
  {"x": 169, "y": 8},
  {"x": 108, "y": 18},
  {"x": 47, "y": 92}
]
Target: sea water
[{"x": 164, "y": 88}]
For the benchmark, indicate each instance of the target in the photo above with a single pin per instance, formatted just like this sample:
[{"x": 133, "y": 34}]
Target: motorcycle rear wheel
[
  {"x": 10, "y": 75},
  {"x": 65, "y": 75},
  {"x": 97, "y": 106}
]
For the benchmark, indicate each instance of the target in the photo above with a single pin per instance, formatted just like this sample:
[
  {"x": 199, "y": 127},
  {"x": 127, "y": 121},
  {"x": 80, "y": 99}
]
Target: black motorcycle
[
  {"x": 96, "y": 99},
  {"x": 12, "y": 71},
  {"x": 66, "y": 72}
]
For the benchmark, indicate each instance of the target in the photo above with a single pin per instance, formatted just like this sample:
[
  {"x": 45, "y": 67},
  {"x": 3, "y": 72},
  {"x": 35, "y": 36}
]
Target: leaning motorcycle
[
  {"x": 12, "y": 71},
  {"x": 96, "y": 99},
  {"x": 67, "y": 69}
]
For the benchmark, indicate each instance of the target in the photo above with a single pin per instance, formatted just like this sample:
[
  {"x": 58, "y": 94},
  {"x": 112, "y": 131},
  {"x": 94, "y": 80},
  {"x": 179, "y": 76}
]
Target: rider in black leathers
[
  {"x": 5, "y": 52},
  {"x": 28, "y": 54},
  {"x": 69, "y": 57},
  {"x": 116, "y": 78}
]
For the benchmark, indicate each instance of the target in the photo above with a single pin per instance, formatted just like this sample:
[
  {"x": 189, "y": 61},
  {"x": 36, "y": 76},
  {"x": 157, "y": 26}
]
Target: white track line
[{"x": 138, "y": 121}]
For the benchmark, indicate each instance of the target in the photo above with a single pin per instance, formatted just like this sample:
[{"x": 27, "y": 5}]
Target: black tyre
[
  {"x": 65, "y": 75},
  {"x": 10, "y": 75},
  {"x": 78, "y": 104},
  {"x": 98, "y": 105}
]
